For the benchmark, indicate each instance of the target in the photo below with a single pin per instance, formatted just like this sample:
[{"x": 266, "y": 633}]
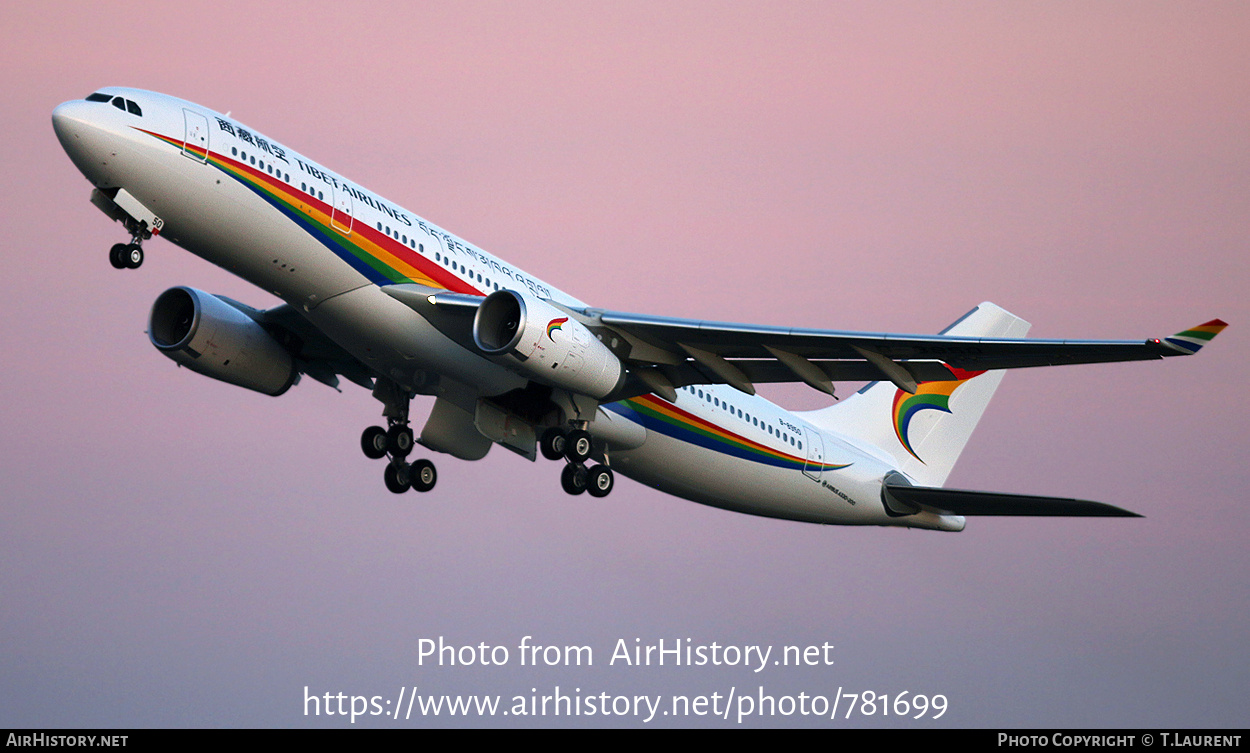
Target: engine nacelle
[
  {"x": 544, "y": 343},
  {"x": 207, "y": 335}
]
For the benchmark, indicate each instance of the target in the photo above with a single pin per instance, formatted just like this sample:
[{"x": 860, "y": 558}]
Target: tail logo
[
  {"x": 554, "y": 325},
  {"x": 929, "y": 396}
]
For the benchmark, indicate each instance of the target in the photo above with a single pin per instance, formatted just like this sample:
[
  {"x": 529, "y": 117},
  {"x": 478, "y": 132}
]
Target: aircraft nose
[
  {"x": 68, "y": 116},
  {"x": 82, "y": 137}
]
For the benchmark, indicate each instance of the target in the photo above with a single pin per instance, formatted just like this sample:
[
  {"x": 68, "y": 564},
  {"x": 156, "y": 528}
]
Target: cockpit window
[{"x": 125, "y": 105}]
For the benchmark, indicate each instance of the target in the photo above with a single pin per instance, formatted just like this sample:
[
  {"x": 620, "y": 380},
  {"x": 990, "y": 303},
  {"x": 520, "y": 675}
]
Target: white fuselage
[{"x": 326, "y": 245}]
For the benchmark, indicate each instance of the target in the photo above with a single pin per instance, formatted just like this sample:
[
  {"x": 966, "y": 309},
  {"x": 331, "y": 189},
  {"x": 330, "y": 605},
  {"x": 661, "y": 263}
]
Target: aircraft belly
[
  {"x": 399, "y": 343},
  {"x": 720, "y": 480}
]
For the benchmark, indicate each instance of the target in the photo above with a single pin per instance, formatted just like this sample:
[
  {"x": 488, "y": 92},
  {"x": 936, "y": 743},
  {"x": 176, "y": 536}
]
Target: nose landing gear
[
  {"x": 130, "y": 255},
  {"x": 126, "y": 255}
]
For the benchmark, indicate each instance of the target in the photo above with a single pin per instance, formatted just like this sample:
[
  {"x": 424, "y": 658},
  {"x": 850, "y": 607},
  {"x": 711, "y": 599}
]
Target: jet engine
[
  {"x": 208, "y": 335},
  {"x": 544, "y": 343}
]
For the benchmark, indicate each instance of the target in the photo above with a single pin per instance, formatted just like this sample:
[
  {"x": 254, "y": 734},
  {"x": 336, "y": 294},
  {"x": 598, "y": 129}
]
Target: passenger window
[{"x": 234, "y": 151}]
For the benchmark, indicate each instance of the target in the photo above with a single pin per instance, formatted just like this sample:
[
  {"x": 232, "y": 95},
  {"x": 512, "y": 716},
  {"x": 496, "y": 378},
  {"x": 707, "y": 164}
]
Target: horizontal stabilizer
[{"x": 962, "y": 502}]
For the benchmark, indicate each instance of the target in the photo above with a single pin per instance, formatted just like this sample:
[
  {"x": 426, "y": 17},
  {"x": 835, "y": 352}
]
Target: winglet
[{"x": 1192, "y": 340}]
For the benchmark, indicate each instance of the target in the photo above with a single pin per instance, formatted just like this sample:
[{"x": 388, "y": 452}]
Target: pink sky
[{"x": 197, "y": 554}]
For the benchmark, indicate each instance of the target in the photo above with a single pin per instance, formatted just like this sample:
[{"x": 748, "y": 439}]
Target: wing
[
  {"x": 740, "y": 354},
  {"x": 315, "y": 354},
  {"x": 663, "y": 353}
]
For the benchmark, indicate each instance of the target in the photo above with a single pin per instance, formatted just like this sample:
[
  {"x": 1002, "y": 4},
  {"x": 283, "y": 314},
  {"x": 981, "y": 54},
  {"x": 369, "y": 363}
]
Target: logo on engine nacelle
[{"x": 554, "y": 325}]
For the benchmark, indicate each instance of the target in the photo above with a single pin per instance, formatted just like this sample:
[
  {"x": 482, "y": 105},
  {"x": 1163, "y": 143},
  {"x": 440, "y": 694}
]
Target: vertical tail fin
[{"x": 924, "y": 433}]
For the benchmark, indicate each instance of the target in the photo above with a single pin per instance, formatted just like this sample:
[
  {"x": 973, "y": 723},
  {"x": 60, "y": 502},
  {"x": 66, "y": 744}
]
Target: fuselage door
[
  {"x": 341, "y": 219},
  {"x": 195, "y": 145},
  {"x": 815, "y": 454}
]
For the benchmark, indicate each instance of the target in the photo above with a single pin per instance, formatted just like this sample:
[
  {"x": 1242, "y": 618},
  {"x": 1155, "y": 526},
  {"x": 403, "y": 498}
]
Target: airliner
[{"x": 374, "y": 294}]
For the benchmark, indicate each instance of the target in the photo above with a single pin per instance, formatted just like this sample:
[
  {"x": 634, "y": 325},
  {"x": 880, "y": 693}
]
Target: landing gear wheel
[
  {"x": 600, "y": 480},
  {"x": 577, "y": 446},
  {"x": 399, "y": 441},
  {"x": 373, "y": 441},
  {"x": 396, "y": 478},
  {"x": 573, "y": 478},
  {"x": 134, "y": 256},
  {"x": 552, "y": 443},
  {"x": 117, "y": 255},
  {"x": 422, "y": 475}
]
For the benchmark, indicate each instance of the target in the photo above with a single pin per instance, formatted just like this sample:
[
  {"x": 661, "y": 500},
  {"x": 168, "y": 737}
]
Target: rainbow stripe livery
[
  {"x": 383, "y": 260},
  {"x": 656, "y": 414}
]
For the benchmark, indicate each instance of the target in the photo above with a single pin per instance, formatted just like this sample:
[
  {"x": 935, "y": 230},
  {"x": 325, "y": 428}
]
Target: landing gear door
[
  {"x": 815, "y": 454},
  {"x": 341, "y": 219},
  {"x": 195, "y": 145}
]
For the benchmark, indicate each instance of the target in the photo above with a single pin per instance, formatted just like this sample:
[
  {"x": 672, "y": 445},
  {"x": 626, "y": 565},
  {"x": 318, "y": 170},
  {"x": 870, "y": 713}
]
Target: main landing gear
[
  {"x": 397, "y": 441},
  {"x": 575, "y": 447}
]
